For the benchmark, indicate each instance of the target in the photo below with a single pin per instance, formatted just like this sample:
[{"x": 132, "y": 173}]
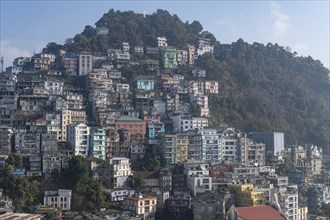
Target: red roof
[{"x": 264, "y": 212}]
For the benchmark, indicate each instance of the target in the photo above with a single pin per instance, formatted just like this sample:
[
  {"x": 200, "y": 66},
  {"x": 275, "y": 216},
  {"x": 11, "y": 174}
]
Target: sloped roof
[
  {"x": 128, "y": 119},
  {"x": 263, "y": 212},
  {"x": 146, "y": 174}
]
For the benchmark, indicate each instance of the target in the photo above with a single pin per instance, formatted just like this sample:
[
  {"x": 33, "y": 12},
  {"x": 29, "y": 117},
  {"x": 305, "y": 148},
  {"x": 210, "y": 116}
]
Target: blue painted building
[{"x": 145, "y": 84}]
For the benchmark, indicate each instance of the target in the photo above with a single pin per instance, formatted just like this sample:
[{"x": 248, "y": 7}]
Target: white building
[
  {"x": 78, "y": 138},
  {"x": 198, "y": 179},
  {"x": 162, "y": 41},
  {"x": 203, "y": 102},
  {"x": 143, "y": 206},
  {"x": 119, "y": 195},
  {"x": 74, "y": 100},
  {"x": 199, "y": 123},
  {"x": 85, "y": 63},
  {"x": 211, "y": 145},
  {"x": 184, "y": 123},
  {"x": 211, "y": 86},
  {"x": 229, "y": 140},
  {"x": 288, "y": 201},
  {"x": 120, "y": 170},
  {"x": 204, "y": 46},
  {"x": 53, "y": 87},
  {"x": 59, "y": 199},
  {"x": 14, "y": 69},
  {"x": 121, "y": 87}
]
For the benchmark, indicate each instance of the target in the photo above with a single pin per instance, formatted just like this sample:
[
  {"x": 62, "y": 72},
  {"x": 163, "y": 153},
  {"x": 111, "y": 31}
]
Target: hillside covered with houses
[{"x": 148, "y": 117}]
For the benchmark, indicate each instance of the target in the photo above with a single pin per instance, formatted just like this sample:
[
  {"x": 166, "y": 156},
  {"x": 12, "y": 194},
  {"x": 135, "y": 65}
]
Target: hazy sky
[{"x": 301, "y": 25}]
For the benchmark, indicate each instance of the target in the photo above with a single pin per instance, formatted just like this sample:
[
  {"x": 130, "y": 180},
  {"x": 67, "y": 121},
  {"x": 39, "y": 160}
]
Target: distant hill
[{"x": 262, "y": 87}]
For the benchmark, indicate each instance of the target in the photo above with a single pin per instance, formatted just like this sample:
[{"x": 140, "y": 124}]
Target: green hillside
[{"x": 262, "y": 87}]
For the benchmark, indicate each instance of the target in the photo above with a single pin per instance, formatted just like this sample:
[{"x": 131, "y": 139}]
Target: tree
[
  {"x": 195, "y": 27},
  {"x": 15, "y": 160},
  {"x": 77, "y": 172},
  {"x": 137, "y": 183},
  {"x": 285, "y": 167},
  {"x": 195, "y": 109}
]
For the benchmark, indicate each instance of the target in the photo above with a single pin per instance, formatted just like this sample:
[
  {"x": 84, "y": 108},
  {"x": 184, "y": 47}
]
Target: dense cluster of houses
[{"x": 218, "y": 172}]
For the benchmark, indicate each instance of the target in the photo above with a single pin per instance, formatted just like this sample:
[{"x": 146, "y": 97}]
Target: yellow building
[
  {"x": 175, "y": 148},
  {"x": 71, "y": 117},
  {"x": 302, "y": 213},
  {"x": 247, "y": 196},
  {"x": 182, "y": 147}
]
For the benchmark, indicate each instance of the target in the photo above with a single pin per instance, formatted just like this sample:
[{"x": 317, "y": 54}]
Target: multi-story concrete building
[
  {"x": 53, "y": 87},
  {"x": 32, "y": 102},
  {"x": 98, "y": 143},
  {"x": 54, "y": 125},
  {"x": 145, "y": 83},
  {"x": 274, "y": 141},
  {"x": 168, "y": 146},
  {"x": 144, "y": 100},
  {"x": 191, "y": 54},
  {"x": 59, "y": 199},
  {"x": 71, "y": 117},
  {"x": 204, "y": 46},
  {"x": 195, "y": 88},
  {"x": 246, "y": 195},
  {"x": 51, "y": 162},
  {"x": 229, "y": 148},
  {"x": 49, "y": 142},
  {"x": 43, "y": 61},
  {"x": 288, "y": 201},
  {"x": 205, "y": 145},
  {"x": 175, "y": 148},
  {"x": 211, "y": 86},
  {"x": 134, "y": 127},
  {"x": 71, "y": 64},
  {"x": 185, "y": 123},
  {"x": 8, "y": 96},
  {"x": 85, "y": 63},
  {"x": 199, "y": 181},
  {"x": 154, "y": 129},
  {"x": 202, "y": 102},
  {"x": 119, "y": 172},
  {"x": 162, "y": 41},
  {"x": 6, "y": 140},
  {"x": 178, "y": 206},
  {"x": 14, "y": 69},
  {"x": 198, "y": 72},
  {"x": 211, "y": 205},
  {"x": 302, "y": 213},
  {"x": 74, "y": 100},
  {"x": 119, "y": 195},
  {"x": 27, "y": 143},
  {"x": 257, "y": 154},
  {"x": 79, "y": 138},
  {"x": 169, "y": 59},
  {"x": 182, "y": 57},
  {"x": 143, "y": 206}
]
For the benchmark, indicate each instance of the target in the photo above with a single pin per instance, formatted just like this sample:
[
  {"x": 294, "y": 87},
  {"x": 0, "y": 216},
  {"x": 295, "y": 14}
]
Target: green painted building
[
  {"x": 169, "y": 58},
  {"x": 97, "y": 143}
]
